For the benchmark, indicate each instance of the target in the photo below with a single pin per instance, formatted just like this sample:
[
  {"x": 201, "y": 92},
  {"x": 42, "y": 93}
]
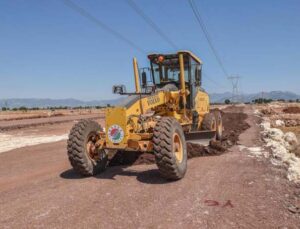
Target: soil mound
[
  {"x": 268, "y": 111},
  {"x": 291, "y": 110},
  {"x": 234, "y": 123}
]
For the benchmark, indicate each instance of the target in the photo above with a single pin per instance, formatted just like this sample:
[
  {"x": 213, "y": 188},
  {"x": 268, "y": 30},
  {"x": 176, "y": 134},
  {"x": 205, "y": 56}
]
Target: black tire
[
  {"x": 165, "y": 132},
  {"x": 78, "y": 154},
  {"x": 209, "y": 122},
  {"x": 219, "y": 131}
]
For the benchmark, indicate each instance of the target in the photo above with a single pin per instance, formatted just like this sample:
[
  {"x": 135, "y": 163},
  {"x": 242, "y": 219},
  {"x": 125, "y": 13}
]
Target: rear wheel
[
  {"x": 84, "y": 156},
  {"x": 219, "y": 129},
  {"x": 170, "y": 148},
  {"x": 209, "y": 122}
]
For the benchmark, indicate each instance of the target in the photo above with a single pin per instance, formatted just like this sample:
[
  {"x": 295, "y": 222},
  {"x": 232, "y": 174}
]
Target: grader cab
[{"x": 168, "y": 108}]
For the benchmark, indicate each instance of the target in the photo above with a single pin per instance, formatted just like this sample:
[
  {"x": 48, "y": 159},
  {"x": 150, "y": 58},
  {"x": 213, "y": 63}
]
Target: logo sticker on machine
[{"x": 115, "y": 134}]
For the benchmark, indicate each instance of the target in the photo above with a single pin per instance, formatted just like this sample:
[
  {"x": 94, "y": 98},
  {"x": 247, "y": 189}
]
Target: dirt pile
[
  {"x": 292, "y": 110},
  {"x": 214, "y": 148},
  {"x": 234, "y": 125},
  {"x": 268, "y": 111},
  {"x": 296, "y": 151},
  {"x": 234, "y": 122},
  {"x": 291, "y": 122}
]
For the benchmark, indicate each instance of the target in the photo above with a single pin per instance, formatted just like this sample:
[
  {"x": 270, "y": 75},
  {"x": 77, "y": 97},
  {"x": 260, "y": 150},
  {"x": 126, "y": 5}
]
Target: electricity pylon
[{"x": 235, "y": 90}]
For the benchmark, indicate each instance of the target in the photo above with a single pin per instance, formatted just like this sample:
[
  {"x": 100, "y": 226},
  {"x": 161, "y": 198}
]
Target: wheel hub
[
  {"x": 91, "y": 147},
  {"x": 220, "y": 127},
  {"x": 178, "y": 148}
]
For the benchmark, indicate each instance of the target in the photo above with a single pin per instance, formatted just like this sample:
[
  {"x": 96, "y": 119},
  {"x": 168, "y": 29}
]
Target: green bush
[
  {"x": 261, "y": 100},
  {"x": 227, "y": 101},
  {"x": 23, "y": 108}
]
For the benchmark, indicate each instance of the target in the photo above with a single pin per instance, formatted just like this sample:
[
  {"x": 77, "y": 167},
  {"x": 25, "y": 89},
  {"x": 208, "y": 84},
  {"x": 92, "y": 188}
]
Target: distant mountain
[
  {"x": 220, "y": 97},
  {"x": 214, "y": 97},
  {"x": 275, "y": 95},
  {"x": 286, "y": 95},
  {"x": 43, "y": 103}
]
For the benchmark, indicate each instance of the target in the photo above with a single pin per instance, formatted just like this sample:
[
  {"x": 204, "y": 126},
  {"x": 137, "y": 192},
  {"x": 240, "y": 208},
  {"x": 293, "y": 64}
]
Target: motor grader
[{"x": 168, "y": 108}]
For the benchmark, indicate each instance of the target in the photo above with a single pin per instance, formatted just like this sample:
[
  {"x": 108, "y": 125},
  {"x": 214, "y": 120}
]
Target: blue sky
[{"x": 49, "y": 51}]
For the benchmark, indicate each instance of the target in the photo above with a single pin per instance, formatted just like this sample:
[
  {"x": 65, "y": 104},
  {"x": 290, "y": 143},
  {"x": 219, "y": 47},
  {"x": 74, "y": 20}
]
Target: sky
[{"x": 49, "y": 51}]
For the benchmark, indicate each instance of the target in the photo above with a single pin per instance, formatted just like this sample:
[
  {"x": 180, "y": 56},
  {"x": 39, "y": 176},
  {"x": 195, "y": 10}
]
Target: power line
[
  {"x": 213, "y": 81},
  {"x": 148, "y": 20},
  {"x": 99, "y": 23},
  {"x": 210, "y": 84},
  {"x": 207, "y": 36},
  {"x": 151, "y": 23},
  {"x": 78, "y": 9}
]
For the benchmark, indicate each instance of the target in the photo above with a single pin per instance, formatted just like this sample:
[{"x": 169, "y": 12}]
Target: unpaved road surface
[{"x": 38, "y": 188}]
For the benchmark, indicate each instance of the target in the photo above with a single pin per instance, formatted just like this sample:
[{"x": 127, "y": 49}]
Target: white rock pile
[
  {"x": 279, "y": 122},
  {"x": 282, "y": 146}
]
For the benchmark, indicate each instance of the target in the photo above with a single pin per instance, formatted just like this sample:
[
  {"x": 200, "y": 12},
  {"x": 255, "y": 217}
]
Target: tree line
[
  {"x": 263, "y": 100},
  {"x": 24, "y": 108}
]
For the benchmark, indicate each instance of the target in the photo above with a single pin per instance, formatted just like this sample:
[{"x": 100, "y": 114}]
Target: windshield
[{"x": 167, "y": 72}]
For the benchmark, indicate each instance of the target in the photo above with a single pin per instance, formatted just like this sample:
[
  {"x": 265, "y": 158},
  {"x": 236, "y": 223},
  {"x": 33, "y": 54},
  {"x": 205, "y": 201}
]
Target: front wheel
[
  {"x": 83, "y": 155},
  {"x": 170, "y": 148}
]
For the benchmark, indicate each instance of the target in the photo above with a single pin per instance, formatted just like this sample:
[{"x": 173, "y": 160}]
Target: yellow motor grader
[{"x": 168, "y": 108}]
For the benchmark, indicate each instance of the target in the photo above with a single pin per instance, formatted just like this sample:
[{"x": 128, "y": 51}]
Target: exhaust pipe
[{"x": 136, "y": 76}]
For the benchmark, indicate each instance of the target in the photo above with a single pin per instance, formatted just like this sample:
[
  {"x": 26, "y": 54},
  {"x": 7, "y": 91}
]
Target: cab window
[{"x": 169, "y": 71}]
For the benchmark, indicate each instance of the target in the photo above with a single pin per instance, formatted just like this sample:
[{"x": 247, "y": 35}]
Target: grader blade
[{"x": 200, "y": 137}]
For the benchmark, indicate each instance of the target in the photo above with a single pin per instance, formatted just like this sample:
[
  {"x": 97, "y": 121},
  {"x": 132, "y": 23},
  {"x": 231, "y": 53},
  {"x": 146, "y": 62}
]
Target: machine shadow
[
  {"x": 151, "y": 176},
  {"x": 71, "y": 174}
]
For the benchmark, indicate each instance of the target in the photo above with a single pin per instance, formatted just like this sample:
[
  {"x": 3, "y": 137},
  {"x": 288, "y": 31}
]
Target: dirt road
[{"x": 38, "y": 188}]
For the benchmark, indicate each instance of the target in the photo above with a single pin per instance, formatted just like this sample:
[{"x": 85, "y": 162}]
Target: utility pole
[{"x": 235, "y": 90}]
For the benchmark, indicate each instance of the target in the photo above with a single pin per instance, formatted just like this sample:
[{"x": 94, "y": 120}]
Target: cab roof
[{"x": 197, "y": 59}]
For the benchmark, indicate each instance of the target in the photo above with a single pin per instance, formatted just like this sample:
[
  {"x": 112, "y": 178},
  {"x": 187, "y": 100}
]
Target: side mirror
[
  {"x": 119, "y": 89},
  {"x": 144, "y": 79}
]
